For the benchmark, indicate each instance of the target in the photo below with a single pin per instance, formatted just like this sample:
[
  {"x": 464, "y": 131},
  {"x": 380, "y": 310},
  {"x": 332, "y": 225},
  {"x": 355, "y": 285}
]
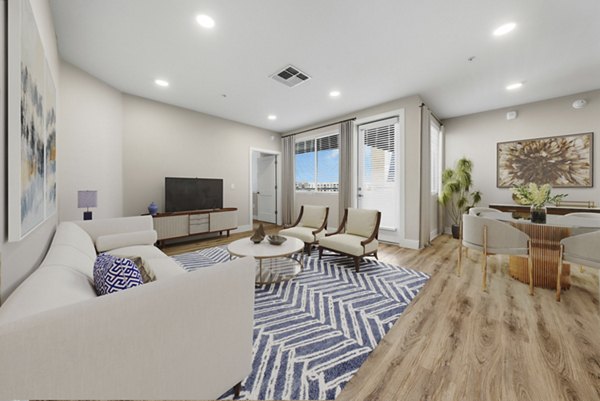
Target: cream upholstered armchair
[
  {"x": 356, "y": 235},
  {"x": 582, "y": 249},
  {"x": 310, "y": 226}
]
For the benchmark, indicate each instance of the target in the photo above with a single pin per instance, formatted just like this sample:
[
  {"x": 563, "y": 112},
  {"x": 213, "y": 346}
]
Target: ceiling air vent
[{"x": 290, "y": 76}]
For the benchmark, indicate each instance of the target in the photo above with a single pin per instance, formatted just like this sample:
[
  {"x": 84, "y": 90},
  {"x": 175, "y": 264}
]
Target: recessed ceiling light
[
  {"x": 334, "y": 93},
  {"x": 504, "y": 29},
  {"x": 161, "y": 82},
  {"x": 205, "y": 21},
  {"x": 514, "y": 86},
  {"x": 272, "y": 117}
]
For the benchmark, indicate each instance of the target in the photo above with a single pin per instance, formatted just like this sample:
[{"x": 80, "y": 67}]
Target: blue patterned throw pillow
[{"x": 112, "y": 274}]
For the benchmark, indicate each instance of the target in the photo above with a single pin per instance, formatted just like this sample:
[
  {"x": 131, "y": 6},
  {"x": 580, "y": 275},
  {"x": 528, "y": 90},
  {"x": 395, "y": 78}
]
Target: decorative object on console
[
  {"x": 562, "y": 161},
  {"x": 31, "y": 125},
  {"x": 538, "y": 197},
  {"x": 259, "y": 234},
  {"x": 456, "y": 186},
  {"x": 152, "y": 208},
  {"x": 112, "y": 274},
  {"x": 87, "y": 199}
]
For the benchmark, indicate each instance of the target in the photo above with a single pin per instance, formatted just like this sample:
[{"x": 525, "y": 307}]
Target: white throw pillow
[{"x": 113, "y": 241}]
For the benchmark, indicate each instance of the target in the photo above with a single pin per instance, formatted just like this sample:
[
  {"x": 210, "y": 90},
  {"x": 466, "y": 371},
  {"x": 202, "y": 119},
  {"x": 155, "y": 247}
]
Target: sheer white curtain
[
  {"x": 288, "y": 180},
  {"x": 345, "y": 180}
]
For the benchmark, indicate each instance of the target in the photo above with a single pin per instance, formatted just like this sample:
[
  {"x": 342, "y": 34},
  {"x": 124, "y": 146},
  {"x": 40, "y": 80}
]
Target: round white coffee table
[{"x": 274, "y": 262}]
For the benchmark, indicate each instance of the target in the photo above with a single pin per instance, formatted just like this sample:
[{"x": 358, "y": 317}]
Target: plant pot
[
  {"x": 538, "y": 214},
  {"x": 455, "y": 231}
]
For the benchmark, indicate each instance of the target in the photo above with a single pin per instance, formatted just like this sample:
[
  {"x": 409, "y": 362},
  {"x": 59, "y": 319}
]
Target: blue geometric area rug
[{"x": 312, "y": 333}]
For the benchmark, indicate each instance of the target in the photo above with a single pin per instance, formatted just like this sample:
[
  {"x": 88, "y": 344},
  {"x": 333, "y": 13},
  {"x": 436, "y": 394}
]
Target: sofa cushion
[
  {"x": 302, "y": 233},
  {"x": 113, "y": 274},
  {"x": 113, "y": 241},
  {"x": 154, "y": 260},
  {"x": 361, "y": 222},
  {"x": 47, "y": 288},
  {"x": 349, "y": 244},
  {"x": 69, "y": 256}
]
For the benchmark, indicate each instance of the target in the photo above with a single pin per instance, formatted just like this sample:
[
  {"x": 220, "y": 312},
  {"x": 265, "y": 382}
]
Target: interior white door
[
  {"x": 267, "y": 192},
  {"x": 378, "y": 174}
]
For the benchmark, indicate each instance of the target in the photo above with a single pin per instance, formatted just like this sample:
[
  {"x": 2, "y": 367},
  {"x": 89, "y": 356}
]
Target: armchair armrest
[
  {"x": 297, "y": 220},
  {"x": 375, "y": 232},
  {"x": 324, "y": 225},
  {"x": 342, "y": 226}
]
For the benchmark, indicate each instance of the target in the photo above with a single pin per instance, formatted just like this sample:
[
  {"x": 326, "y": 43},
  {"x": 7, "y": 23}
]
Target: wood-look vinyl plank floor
[{"x": 456, "y": 342}]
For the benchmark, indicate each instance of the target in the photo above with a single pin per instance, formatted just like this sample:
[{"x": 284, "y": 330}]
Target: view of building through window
[{"x": 318, "y": 164}]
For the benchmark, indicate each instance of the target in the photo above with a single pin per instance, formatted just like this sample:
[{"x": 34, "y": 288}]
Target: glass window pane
[
  {"x": 305, "y": 166},
  {"x": 328, "y": 163}
]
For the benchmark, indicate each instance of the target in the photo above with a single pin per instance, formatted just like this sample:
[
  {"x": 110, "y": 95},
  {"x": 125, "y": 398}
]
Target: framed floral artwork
[{"x": 562, "y": 161}]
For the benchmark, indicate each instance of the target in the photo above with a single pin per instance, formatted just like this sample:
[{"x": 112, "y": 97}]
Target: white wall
[
  {"x": 21, "y": 258},
  {"x": 90, "y": 144},
  {"x": 475, "y": 136},
  {"x": 166, "y": 141}
]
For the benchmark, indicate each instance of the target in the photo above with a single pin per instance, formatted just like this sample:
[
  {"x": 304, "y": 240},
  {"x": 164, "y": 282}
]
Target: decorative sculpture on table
[{"x": 259, "y": 234}]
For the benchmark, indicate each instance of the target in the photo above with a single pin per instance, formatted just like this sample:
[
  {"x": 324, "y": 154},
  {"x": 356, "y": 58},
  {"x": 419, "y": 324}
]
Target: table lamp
[{"x": 87, "y": 199}]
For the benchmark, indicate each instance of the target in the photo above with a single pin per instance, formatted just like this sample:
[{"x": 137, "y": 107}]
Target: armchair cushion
[
  {"x": 304, "y": 234},
  {"x": 348, "y": 244},
  {"x": 313, "y": 216},
  {"x": 361, "y": 222}
]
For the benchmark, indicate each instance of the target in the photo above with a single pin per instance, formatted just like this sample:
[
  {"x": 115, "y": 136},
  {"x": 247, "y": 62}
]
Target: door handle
[{"x": 360, "y": 196}]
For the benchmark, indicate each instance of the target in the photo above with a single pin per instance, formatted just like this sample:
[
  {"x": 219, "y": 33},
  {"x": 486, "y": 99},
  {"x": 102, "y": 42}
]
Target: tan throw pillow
[{"x": 147, "y": 274}]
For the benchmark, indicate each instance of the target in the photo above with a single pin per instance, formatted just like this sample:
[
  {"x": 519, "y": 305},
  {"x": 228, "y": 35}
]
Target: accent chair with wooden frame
[
  {"x": 356, "y": 236},
  {"x": 582, "y": 249},
  {"x": 310, "y": 226},
  {"x": 492, "y": 237}
]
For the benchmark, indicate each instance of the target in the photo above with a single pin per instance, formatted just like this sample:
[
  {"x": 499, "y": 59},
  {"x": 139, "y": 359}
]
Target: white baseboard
[{"x": 404, "y": 243}]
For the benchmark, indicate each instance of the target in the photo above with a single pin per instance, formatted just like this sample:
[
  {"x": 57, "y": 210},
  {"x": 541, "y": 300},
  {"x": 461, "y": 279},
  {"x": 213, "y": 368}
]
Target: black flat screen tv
[{"x": 185, "y": 194}]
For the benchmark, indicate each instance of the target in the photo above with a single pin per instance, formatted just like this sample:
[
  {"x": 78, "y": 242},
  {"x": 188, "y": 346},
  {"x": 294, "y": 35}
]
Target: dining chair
[
  {"x": 479, "y": 211},
  {"x": 310, "y": 226},
  {"x": 356, "y": 236},
  {"x": 582, "y": 249},
  {"x": 584, "y": 214},
  {"x": 587, "y": 215},
  {"x": 492, "y": 237}
]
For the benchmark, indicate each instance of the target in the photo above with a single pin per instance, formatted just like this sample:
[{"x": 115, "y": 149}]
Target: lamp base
[{"x": 87, "y": 215}]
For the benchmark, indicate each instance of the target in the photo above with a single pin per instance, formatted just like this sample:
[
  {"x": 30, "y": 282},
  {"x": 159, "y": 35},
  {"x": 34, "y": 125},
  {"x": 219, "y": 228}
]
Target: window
[{"x": 318, "y": 164}]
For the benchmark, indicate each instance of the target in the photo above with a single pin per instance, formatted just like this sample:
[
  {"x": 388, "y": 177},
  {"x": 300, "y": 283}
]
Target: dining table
[{"x": 545, "y": 246}]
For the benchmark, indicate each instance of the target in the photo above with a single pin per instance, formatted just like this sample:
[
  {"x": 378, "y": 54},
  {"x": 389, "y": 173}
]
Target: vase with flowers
[{"x": 538, "y": 197}]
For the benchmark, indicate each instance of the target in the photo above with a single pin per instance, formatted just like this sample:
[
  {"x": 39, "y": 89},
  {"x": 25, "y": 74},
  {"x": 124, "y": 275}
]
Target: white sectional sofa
[{"x": 183, "y": 336}]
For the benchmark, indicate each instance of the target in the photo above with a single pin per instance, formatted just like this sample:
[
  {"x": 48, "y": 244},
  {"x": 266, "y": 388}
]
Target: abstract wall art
[
  {"x": 31, "y": 125},
  {"x": 562, "y": 161}
]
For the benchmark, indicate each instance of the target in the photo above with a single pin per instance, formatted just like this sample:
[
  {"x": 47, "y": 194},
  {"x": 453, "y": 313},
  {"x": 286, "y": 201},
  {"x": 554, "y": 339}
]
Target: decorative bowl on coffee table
[{"x": 276, "y": 239}]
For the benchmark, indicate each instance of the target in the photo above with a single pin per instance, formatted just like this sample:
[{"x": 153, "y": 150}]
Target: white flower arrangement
[{"x": 538, "y": 196}]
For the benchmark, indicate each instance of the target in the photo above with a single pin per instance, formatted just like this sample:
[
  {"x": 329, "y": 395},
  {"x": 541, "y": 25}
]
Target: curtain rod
[
  {"x": 432, "y": 115},
  {"x": 322, "y": 126}
]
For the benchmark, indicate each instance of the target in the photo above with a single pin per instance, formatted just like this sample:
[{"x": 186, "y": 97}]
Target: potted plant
[
  {"x": 455, "y": 194},
  {"x": 536, "y": 196}
]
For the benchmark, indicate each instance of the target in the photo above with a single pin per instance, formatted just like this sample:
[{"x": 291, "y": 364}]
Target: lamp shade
[{"x": 87, "y": 199}]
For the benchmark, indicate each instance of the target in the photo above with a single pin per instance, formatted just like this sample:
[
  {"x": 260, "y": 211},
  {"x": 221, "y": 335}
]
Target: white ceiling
[{"x": 371, "y": 51}]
